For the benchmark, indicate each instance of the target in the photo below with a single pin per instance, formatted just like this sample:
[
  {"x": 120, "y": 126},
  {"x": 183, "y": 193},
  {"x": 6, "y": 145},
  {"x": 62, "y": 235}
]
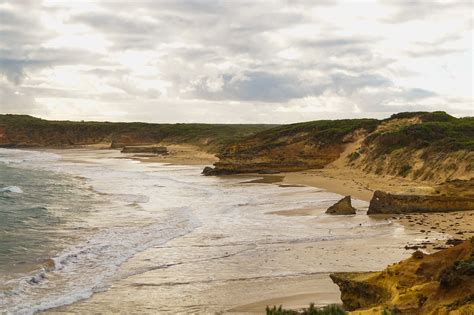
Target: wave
[
  {"x": 89, "y": 266},
  {"x": 12, "y": 189},
  {"x": 17, "y": 156}
]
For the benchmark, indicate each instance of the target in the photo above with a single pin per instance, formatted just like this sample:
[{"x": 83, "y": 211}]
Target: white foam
[
  {"x": 17, "y": 156},
  {"x": 90, "y": 266},
  {"x": 12, "y": 189}
]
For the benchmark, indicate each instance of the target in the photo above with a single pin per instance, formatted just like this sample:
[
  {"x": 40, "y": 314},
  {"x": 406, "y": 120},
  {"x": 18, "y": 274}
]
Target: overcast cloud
[{"x": 234, "y": 61}]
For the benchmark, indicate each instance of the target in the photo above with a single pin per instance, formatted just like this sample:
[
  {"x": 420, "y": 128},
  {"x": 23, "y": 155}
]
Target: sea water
[{"x": 70, "y": 219}]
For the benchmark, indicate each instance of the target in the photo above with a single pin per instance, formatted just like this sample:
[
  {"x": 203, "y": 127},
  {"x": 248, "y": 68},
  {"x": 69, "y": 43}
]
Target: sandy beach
[{"x": 211, "y": 274}]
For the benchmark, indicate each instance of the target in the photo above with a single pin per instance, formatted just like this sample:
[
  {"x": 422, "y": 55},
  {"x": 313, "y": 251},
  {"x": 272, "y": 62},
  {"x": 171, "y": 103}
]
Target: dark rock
[
  {"x": 385, "y": 203},
  {"x": 209, "y": 171},
  {"x": 454, "y": 241},
  {"x": 145, "y": 149},
  {"x": 342, "y": 207},
  {"x": 418, "y": 255},
  {"x": 269, "y": 172}
]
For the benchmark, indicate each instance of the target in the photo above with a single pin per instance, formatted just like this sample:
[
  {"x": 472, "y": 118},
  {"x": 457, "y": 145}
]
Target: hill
[
  {"x": 28, "y": 131},
  {"x": 431, "y": 146}
]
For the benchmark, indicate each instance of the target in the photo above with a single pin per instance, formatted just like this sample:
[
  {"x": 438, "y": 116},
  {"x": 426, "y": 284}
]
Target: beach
[
  {"x": 197, "y": 244},
  {"x": 242, "y": 256}
]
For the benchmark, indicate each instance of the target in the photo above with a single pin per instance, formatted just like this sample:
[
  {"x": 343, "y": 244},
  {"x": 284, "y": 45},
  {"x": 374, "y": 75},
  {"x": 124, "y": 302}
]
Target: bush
[
  {"x": 353, "y": 156},
  {"x": 312, "y": 310},
  {"x": 404, "y": 170},
  {"x": 454, "y": 275}
]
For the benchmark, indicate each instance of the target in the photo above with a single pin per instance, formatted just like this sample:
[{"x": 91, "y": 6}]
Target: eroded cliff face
[
  {"x": 297, "y": 156},
  {"x": 440, "y": 283},
  {"x": 294, "y": 147},
  {"x": 431, "y": 147}
]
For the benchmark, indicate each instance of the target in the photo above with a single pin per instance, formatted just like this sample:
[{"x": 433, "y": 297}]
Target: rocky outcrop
[
  {"x": 357, "y": 293},
  {"x": 385, "y": 203},
  {"x": 423, "y": 284},
  {"x": 145, "y": 149},
  {"x": 342, "y": 207},
  {"x": 209, "y": 171}
]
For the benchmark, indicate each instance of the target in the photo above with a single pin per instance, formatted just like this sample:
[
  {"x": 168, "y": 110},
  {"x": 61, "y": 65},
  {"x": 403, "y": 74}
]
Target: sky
[{"x": 234, "y": 61}]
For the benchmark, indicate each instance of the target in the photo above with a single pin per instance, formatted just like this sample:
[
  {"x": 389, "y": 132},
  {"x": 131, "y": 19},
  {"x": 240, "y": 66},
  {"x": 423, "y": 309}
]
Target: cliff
[
  {"x": 291, "y": 147},
  {"x": 423, "y": 284},
  {"x": 27, "y": 131},
  {"x": 433, "y": 147}
]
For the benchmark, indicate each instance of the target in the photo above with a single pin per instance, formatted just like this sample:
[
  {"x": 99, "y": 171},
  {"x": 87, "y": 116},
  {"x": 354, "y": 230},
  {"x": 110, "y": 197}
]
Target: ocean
[{"x": 75, "y": 222}]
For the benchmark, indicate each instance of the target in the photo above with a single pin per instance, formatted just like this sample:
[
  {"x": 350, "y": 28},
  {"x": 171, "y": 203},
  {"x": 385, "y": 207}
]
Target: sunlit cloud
[{"x": 235, "y": 61}]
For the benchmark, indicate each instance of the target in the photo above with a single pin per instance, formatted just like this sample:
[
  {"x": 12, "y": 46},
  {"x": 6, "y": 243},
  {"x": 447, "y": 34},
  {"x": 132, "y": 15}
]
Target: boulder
[
  {"x": 385, "y": 203},
  {"x": 209, "y": 171},
  {"x": 342, "y": 207}
]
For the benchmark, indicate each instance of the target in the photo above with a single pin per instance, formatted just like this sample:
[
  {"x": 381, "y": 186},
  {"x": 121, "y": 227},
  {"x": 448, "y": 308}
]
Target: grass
[
  {"x": 437, "y": 132},
  {"x": 311, "y": 310},
  {"x": 323, "y": 133}
]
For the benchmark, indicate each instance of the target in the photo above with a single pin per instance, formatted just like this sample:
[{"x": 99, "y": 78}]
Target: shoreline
[{"x": 331, "y": 180}]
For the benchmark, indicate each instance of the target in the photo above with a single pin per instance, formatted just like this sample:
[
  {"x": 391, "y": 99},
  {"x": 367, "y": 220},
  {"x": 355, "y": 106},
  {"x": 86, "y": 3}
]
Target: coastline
[{"x": 294, "y": 291}]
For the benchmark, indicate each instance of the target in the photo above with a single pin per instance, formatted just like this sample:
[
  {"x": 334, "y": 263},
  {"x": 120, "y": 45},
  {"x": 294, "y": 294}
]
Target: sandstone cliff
[
  {"x": 423, "y": 284},
  {"x": 432, "y": 147}
]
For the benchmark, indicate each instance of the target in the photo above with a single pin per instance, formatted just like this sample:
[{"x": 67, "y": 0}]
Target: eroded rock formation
[
  {"x": 145, "y": 149},
  {"x": 342, "y": 207},
  {"x": 423, "y": 284},
  {"x": 385, "y": 203}
]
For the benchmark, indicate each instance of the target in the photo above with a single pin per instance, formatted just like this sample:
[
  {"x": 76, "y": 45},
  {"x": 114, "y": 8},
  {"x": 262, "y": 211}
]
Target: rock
[
  {"x": 438, "y": 283},
  {"x": 357, "y": 294},
  {"x": 454, "y": 241},
  {"x": 417, "y": 254},
  {"x": 209, "y": 171},
  {"x": 342, "y": 207},
  {"x": 145, "y": 149},
  {"x": 385, "y": 203}
]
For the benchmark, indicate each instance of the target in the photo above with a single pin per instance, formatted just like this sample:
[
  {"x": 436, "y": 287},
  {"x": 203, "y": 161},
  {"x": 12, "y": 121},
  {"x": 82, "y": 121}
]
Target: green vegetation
[
  {"x": 50, "y": 133},
  {"x": 457, "y": 273},
  {"x": 323, "y": 133},
  {"x": 404, "y": 170},
  {"x": 424, "y": 116},
  {"x": 353, "y": 156},
  {"x": 312, "y": 310},
  {"x": 438, "y": 131}
]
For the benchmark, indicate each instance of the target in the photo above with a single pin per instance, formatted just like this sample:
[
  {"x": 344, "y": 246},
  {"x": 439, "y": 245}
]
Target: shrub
[
  {"x": 353, "y": 156},
  {"x": 454, "y": 275},
  {"x": 404, "y": 170},
  {"x": 312, "y": 310}
]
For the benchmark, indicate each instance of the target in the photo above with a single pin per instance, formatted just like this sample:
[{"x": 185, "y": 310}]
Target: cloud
[
  {"x": 409, "y": 10},
  {"x": 267, "y": 61}
]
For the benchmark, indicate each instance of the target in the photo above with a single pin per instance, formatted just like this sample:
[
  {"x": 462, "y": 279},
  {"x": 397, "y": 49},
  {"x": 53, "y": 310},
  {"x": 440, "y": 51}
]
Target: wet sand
[{"x": 236, "y": 278}]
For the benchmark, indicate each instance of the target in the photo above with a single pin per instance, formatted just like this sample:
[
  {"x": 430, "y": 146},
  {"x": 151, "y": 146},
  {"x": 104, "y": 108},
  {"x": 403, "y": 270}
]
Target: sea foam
[{"x": 12, "y": 189}]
